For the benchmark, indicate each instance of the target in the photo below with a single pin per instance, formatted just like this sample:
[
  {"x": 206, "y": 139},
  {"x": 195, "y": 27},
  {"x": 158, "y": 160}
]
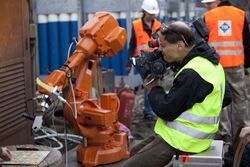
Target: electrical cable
[
  {"x": 54, "y": 139},
  {"x": 51, "y": 134},
  {"x": 69, "y": 49},
  {"x": 48, "y": 131},
  {"x": 60, "y": 135},
  {"x": 74, "y": 98},
  {"x": 70, "y": 83},
  {"x": 71, "y": 109},
  {"x": 66, "y": 144},
  {"x": 70, "y": 139},
  {"x": 53, "y": 116},
  {"x": 54, "y": 133}
]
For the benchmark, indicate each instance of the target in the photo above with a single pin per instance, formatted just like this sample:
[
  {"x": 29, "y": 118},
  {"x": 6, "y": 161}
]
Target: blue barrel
[
  {"x": 53, "y": 40},
  {"x": 123, "y": 53},
  {"x": 64, "y": 34},
  {"x": 106, "y": 63},
  {"x": 42, "y": 44}
]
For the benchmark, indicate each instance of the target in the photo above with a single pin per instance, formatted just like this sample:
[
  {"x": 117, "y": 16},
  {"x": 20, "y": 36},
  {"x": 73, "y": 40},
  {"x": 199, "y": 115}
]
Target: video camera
[{"x": 150, "y": 64}]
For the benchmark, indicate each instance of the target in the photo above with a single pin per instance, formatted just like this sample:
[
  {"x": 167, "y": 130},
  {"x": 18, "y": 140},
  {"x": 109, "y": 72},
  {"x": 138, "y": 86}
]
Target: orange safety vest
[
  {"x": 226, "y": 28},
  {"x": 142, "y": 37}
]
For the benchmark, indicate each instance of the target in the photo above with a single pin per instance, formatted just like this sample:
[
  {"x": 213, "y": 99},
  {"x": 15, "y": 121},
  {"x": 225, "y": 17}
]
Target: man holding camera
[{"x": 188, "y": 116}]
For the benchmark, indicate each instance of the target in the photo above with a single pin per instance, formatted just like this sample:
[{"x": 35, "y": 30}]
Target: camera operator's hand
[{"x": 149, "y": 83}]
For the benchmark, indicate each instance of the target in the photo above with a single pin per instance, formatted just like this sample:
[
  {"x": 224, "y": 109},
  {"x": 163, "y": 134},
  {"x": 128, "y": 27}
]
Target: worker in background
[
  {"x": 210, "y": 4},
  {"x": 5, "y": 154},
  {"x": 142, "y": 29},
  {"x": 188, "y": 116},
  {"x": 229, "y": 35}
]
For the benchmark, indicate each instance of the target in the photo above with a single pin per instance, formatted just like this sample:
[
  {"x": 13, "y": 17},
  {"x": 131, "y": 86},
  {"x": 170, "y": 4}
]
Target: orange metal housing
[{"x": 98, "y": 123}]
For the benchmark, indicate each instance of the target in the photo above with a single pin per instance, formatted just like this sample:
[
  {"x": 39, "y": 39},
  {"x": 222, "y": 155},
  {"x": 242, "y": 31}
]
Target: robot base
[{"x": 111, "y": 152}]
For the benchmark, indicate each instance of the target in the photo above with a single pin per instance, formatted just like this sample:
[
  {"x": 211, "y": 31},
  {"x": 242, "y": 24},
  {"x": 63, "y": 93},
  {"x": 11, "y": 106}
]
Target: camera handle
[{"x": 201, "y": 29}]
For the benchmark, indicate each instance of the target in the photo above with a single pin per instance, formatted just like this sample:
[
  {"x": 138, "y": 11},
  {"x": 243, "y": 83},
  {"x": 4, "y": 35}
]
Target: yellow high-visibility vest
[{"x": 194, "y": 129}]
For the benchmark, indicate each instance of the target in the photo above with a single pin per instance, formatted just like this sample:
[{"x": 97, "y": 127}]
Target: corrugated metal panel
[
  {"x": 12, "y": 96},
  {"x": 16, "y": 83}
]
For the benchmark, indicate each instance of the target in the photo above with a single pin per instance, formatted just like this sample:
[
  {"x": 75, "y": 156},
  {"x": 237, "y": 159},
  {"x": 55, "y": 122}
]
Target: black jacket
[{"x": 188, "y": 87}]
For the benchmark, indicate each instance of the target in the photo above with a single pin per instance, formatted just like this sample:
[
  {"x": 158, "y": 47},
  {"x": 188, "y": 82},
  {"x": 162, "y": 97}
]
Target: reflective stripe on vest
[
  {"x": 195, "y": 128},
  {"x": 195, "y": 119},
  {"x": 198, "y": 119},
  {"x": 189, "y": 131},
  {"x": 231, "y": 43},
  {"x": 141, "y": 36},
  {"x": 225, "y": 35},
  {"x": 230, "y": 52}
]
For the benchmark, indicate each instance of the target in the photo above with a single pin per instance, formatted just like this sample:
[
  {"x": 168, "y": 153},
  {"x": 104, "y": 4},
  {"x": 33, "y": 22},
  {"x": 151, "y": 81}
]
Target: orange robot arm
[
  {"x": 97, "y": 122},
  {"x": 99, "y": 36}
]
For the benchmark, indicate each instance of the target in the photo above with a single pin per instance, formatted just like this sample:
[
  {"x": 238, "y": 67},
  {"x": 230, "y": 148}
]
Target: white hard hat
[
  {"x": 150, "y": 6},
  {"x": 207, "y": 1}
]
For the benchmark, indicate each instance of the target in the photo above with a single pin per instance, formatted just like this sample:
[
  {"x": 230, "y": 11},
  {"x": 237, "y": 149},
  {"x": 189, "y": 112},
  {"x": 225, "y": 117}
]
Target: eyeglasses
[{"x": 165, "y": 29}]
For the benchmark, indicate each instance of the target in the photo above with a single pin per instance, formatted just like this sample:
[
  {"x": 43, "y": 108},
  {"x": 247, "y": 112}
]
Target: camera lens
[{"x": 158, "y": 67}]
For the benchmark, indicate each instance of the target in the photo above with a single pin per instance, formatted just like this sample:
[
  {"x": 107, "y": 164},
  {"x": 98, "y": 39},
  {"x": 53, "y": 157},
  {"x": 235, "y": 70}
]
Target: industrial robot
[{"x": 95, "y": 119}]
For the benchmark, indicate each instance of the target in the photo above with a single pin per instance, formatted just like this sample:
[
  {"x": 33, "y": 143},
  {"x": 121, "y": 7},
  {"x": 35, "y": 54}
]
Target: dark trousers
[{"x": 153, "y": 151}]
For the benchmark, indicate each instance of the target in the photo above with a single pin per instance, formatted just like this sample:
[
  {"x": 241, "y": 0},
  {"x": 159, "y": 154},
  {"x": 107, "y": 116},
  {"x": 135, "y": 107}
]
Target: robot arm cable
[
  {"x": 71, "y": 85},
  {"x": 74, "y": 99}
]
